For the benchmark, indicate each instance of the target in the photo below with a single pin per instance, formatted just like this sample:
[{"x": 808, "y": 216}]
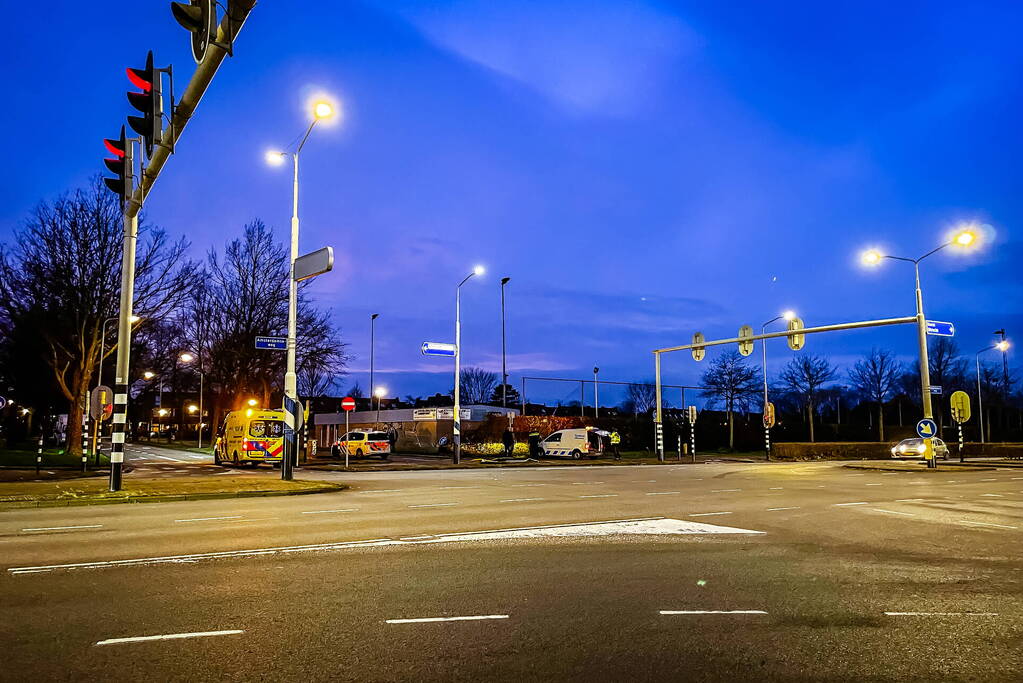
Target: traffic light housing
[
  {"x": 199, "y": 17},
  {"x": 149, "y": 102},
  {"x": 120, "y": 165}
]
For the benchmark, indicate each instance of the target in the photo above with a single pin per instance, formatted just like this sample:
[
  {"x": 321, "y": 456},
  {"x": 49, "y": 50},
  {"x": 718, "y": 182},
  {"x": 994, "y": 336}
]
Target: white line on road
[
  {"x": 845, "y": 504},
  {"x": 664, "y": 493},
  {"x": 601, "y": 495},
  {"x": 584, "y": 483},
  {"x": 61, "y": 528},
  {"x": 725, "y": 490},
  {"x": 997, "y": 526},
  {"x": 672, "y": 612},
  {"x": 430, "y": 620},
  {"x": 991, "y": 495},
  {"x": 990, "y": 479},
  {"x": 872, "y": 484},
  {"x": 909, "y": 500},
  {"x": 776, "y": 509},
  {"x": 1014, "y": 478},
  {"x": 518, "y": 500},
  {"x": 323, "y": 512},
  {"x": 709, "y": 514},
  {"x": 524, "y": 485},
  {"x": 941, "y": 614},
  {"x": 169, "y": 636},
  {"x": 207, "y": 519},
  {"x": 433, "y": 505},
  {"x": 893, "y": 512},
  {"x": 414, "y": 538},
  {"x": 776, "y": 488}
]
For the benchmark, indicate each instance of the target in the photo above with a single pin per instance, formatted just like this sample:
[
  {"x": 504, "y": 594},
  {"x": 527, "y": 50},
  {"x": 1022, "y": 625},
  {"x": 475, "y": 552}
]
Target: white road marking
[
  {"x": 845, "y": 504},
  {"x": 323, "y": 512},
  {"x": 459, "y": 487},
  {"x": 893, "y": 512},
  {"x": 775, "y": 488},
  {"x": 415, "y": 538},
  {"x": 991, "y": 495},
  {"x": 990, "y": 479},
  {"x": 601, "y": 495},
  {"x": 997, "y": 526},
  {"x": 433, "y": 505},
  {"x": 518, "y": 500},
  {"x": 725, "y": 490},
  {"x": 61, "y": 528},
  {"x": 872, "y": 484},
  {"x": 524, "y": 485},
  {"x": 1014, "y": 478},
  {"x": 664, "y": 493},
  {"x": 673, "y": 612},
  {"x": 169, "y": 636},
  {"x": 776, "y": 509},
  {"x": 950, "y": 481},
  {"x": 208, "y": 519},
  {"x": 909, "y": 500},
  {"x": 430, "y": 620},
  {"x": 709, "y": 514},
  {"x": 584, "y": 483},
  {"x": 384, "y": 491},
  {"x": 941, "y": 614}
]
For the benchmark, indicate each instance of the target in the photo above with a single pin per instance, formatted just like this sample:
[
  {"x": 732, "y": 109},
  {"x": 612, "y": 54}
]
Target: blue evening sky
[{"x": 641, "y": 170}]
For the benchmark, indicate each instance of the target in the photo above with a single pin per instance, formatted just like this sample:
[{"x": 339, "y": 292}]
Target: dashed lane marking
[
  {"x": 893, "y": 512},
  {"x": 430, "y": 620},
  {"x": 64, "y": 528},
  {"x": 664, "y": 493},
  {"x": 601, "y": 495},
  {"x": 941, "y": 614},
  {"x": 996, "y": 526},
  {"x": 788, "y": 508},
  {"x": 847, "y": 504},
  {"x": 208, "y": 519},
  {"x": 324, "y": 512},
  {"x": 433, "y": 505},
  {"x": 909, "y": 500},
  {"x": 169, "y": 636},
  {"x": 518, "y": 500},
  {"x": 725, "y": 490},
  {"x": 693, "y": 612},
  {"x": 709, "y": 514}
]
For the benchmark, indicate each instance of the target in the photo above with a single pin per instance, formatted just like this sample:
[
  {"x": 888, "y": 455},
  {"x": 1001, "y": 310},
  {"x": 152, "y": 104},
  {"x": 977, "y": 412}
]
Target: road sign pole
[
  {"x": 960, "y": 425},
  {"x": 346, "y": 438},
  {"x": 658, "y": 416}
]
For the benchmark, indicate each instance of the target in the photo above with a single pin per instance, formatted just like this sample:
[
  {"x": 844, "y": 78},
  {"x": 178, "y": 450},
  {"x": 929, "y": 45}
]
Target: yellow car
[{"x": 359, "y": 443}]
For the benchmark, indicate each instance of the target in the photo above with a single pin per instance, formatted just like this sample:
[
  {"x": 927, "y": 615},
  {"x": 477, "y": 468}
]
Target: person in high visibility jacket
[
  {"x": 615, "y": 441},
  {"x": 534, "y": 444}
]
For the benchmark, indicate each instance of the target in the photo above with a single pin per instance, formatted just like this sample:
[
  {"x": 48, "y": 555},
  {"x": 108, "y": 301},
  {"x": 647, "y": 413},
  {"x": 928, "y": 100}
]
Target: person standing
[
  {"x": 534, "y": 444},
  {"x": 616, "y": 440},
  {"x": 509, "y": 442}
]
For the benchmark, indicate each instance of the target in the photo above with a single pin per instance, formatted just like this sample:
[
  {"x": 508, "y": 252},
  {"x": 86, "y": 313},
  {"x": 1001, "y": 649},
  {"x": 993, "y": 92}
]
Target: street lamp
[
  {"x": 456, "y": 421},
  {"x": 372, "y": 351},
  {"x": 320, "y": 110},
  {"x": 1002, "y": 346},
  {"x": 187, "y": 357},
  {"x": 504, "y": 350},
  {"x": 379, "y": 392},
  {"x": 596, "y": 403},
  {"x": 787, "y": 315},
  {"x": 964, "y": 238},
  {"x": 252, "y": 402}
]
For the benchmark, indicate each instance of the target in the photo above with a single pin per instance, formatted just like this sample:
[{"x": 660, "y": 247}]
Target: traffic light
[
  {"x": 120, "y": 165},
  {"x": 200, "y": 18},
  {"x": 149, "y": 102}
]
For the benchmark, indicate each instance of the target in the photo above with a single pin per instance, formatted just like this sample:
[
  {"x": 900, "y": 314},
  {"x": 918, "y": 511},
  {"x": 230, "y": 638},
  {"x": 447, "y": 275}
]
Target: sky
[{"x": 640, "y": 170}]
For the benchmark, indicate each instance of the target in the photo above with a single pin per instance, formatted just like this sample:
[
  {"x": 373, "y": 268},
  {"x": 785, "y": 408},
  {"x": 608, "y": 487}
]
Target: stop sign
[{"x": 348, "y": 403}]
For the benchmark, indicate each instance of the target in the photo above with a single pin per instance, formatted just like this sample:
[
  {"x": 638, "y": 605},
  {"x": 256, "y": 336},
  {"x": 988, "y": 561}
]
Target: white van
[{"x": 574, "y": 443}]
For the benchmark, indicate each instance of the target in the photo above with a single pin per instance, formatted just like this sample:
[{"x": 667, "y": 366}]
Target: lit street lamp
[
  {"x": 372, "y": 351},
  {"x": 596, "y": 402},
  {"x": 187, "y": 357},
  {"x": 504, "y": 350},
  {"x": 965, "y": 238},
  {"x": 787, "y": 315},
  {"x": 379, "y": 392},
  {"x": 1002, "y": 346},
  {"x": 320, "y": 110},
  {"x": 456, "y": 419}
]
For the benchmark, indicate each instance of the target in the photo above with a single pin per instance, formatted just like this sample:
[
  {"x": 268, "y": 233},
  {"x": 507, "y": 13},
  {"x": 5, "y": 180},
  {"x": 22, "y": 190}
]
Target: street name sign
[
  {"x": 940, "y": 329},
  {"x": 314, "y": 263},
  {"x": 926, "y": 428},
  {"x": 274, "y": 343},
  {"x": 424, "y": 415},
  {"x": 438, "y": 349},
  {"x": 936, "y": 389},
  {"x": 960, "y": 402}
]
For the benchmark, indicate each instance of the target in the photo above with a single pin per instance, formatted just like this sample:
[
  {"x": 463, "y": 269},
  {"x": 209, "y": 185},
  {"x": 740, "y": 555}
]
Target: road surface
[{"x": 726, "y": 571}]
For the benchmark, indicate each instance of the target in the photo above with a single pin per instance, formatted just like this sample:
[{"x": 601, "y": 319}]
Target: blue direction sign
[
  {"x": 935, "y": 389},
  {"x": 936, "y": 327},
  {"x": 926, "y": 428},
  {"x": 275, "y": 343},
  {"x": 438, "y": 349}
]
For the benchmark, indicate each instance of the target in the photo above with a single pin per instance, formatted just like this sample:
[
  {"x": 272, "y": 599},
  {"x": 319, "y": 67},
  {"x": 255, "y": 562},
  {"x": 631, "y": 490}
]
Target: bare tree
[
  {"x": 805, "y": 375},
  {"x": 477, "y": 385},
  {"x": 641, "y": 396},
  {"x": 875, "y": 376},
  {"x": 732, "y": 382},
  {"x": 62, "y": 278}
]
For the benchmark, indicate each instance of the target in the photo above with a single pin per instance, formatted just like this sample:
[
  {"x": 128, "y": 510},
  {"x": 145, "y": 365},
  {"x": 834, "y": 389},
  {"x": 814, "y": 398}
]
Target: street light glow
[
  {"x": 192, "y": 408},
  {"x": 274, "y": 158},
  {"x": 323, "y": 110},
  {"x": 380, "y": 392},
  {"x": 478, "y": 270},
  {"x": 1002, "y": 346},
  {"x": 252, "y": 402},
  {"x": 871, "y": 257},
  {"x": 186, "y": 357},
  {"x": 161, "y": 412},
  {"x": 133, "y": 319},
  {"x": 965, "y": 238},
  {"x": 789, "y": 315},
  {"x": 149, "y": 374}
]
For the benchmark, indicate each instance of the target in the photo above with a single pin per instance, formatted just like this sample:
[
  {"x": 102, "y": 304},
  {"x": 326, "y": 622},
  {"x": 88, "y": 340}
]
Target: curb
[{"x": 74, "y": 502}]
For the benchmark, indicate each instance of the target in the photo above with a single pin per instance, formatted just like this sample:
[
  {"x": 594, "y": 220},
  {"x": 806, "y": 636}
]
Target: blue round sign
[{"x": 926, "y": 428}]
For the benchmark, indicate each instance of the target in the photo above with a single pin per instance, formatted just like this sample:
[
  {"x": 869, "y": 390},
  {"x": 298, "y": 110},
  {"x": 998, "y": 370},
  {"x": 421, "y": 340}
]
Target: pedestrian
[
  {"x": 615, "y": 441},
  {"x": 534, "y": 444},
  {"x": 509, "y": 442}
]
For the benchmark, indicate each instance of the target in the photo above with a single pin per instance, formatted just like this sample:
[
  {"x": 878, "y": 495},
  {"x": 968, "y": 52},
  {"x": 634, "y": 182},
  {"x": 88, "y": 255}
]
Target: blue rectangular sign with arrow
[
  {"x": 936, "y": 327},
  {"x": 438, "y": 349}
]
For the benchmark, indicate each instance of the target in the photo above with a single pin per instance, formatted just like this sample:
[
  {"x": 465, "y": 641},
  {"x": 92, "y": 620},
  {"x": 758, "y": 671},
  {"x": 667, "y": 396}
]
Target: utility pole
[
  {"x": 372, "y": 352},
  {"x": 596, "y": 404},
  {"x": 504, "y": 349}
]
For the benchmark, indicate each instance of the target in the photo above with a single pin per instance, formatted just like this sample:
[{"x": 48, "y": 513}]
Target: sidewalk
[{"x": 95, "y": 491}]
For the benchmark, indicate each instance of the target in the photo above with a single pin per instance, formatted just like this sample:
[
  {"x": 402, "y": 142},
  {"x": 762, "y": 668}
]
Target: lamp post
[
  {"x": 372, "y": 352},
  {"x": 379, "y": 392},
  {"x": 787, "y": 315},
  {"x": 964, "y": 238},
  {"x": 596, "y": 403},
  {"x": 321, "y": 110},
  {"x": 504, "y": 350},
  {"x": 456, "y": 420},
  {"x": 187, "y": 357},
  {"x": 1002, "y": 346}
]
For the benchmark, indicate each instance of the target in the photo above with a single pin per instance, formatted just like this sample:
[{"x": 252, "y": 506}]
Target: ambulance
[
  {"x": 575, "y": 443},
  {"x": 251, "y": 436}
]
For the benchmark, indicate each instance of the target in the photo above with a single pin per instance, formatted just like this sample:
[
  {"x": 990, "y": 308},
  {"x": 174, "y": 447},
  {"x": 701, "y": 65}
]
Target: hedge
[{"x": 831, "y": 451}]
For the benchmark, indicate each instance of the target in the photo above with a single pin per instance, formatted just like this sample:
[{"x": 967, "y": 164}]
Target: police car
[{"x": 575, "y": 443}]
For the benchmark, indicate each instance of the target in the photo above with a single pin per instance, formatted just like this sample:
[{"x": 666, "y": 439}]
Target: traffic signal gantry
[{"x": 212, "y": 41}]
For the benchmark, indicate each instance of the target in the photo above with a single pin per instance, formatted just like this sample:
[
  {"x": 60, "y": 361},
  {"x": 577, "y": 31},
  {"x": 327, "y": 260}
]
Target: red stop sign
[{"x": 348, "y": 403}]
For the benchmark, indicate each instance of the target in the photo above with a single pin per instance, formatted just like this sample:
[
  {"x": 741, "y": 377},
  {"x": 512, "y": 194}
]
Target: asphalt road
[{"x": 834, "y": 574}]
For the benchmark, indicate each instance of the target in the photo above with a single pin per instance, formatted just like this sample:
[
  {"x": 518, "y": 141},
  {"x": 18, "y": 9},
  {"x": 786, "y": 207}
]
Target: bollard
[{"x": 39, "y": 454}]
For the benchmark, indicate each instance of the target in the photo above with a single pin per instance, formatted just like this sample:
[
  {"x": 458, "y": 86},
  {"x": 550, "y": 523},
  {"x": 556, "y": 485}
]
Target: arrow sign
[
  {"x": 926, "y": 428},
  {"x": 940, "y": 329},
  {"x": 438, "y": 349},
  {"x": 276, "y": 343}
]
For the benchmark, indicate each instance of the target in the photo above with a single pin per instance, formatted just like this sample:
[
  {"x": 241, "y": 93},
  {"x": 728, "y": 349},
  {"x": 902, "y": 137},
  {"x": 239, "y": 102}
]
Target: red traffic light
[{"x": 121, "y": 185}]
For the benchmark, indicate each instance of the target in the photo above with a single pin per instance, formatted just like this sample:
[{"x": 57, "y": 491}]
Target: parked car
[
  {"x": 360, "y": 443},
  {"x": 574, "y": 443},
  {"x": 914, "y": 449}
]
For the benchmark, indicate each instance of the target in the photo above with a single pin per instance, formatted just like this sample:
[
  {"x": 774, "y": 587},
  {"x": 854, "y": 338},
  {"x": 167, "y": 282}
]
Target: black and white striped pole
[{"x": 658, "y": 414}]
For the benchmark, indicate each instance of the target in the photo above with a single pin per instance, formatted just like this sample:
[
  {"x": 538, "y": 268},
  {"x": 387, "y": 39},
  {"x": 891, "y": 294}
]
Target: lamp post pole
[
  {"x": 504, "y": 350},
  {"x": 372, "y": 353},
  {"x": 763, "y": 348},
  {"x": 456, "y": 422},
  {"x": 596, "y": 404},
  {"x": 1002, "y": 346}
]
